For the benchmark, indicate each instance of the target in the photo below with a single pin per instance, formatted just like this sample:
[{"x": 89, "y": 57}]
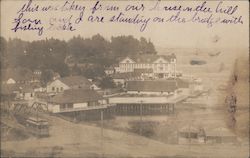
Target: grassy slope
[{"x": 69, "y": 139}]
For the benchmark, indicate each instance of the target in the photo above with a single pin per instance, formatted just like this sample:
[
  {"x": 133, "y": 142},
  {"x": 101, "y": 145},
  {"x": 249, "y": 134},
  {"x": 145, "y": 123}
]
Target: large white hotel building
[{"x": 162, "y": 66}]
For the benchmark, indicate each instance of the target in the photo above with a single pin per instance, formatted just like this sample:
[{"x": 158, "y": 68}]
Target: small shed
[
  {"x": 191, "y": 134},
  {"x": 220, "y": 135}
]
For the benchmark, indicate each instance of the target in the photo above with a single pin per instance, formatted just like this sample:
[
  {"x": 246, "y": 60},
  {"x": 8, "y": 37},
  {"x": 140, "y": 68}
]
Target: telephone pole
[
  {"x": 102, "y": 133},
  {"x": 141, "y": 118}
]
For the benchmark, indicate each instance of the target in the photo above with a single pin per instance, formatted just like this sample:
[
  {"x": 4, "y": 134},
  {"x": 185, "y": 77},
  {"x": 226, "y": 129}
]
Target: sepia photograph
[{"x": 124, "y": 79}]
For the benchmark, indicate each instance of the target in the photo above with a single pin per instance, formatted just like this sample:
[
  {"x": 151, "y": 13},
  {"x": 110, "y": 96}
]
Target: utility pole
[
  {"x": 102, "y": 123},
  {"x": 37, "y": 120},
  {"x": 141, "y": 118},
  {"x": 102, "y": 133}
]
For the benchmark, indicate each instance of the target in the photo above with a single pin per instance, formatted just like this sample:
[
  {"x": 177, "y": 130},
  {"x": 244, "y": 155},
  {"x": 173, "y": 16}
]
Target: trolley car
[{"x": 38, "y": 126}]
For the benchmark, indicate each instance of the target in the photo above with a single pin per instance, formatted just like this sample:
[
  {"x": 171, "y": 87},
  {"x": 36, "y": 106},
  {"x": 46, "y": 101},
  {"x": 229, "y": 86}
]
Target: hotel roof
[
  {"x": 76, "y": 96},
  {"x": 152, "y": 86},
  {"x": 154, "y": 100},
  {"x": 126, "y": 75},
  {"x": 150, "y": 58}
]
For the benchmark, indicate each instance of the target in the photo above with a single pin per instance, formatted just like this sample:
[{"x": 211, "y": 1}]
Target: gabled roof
[
  {"x": 189, "y": 128},
  {"x": 76, "y": 96},
  {"x": 152, "y": 86},
  {"x": 128, "y": 58},
  {"x": 150, "y": 58},
  {"x": 75, "y": 80}
]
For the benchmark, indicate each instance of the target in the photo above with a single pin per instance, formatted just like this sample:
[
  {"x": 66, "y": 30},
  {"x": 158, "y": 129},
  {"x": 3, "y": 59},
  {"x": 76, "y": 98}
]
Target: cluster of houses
[
  {"x": 150, "y": 85},
  {"x": 20, "y": 83}
]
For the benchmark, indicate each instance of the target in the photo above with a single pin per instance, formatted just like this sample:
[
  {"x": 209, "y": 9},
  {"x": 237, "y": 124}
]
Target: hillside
[{"x": 69, "y": 139}]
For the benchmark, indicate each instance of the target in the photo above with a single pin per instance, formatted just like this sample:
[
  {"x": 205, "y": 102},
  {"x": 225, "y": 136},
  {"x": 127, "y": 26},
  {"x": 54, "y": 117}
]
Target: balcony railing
[{"x": 96, "y": 107}]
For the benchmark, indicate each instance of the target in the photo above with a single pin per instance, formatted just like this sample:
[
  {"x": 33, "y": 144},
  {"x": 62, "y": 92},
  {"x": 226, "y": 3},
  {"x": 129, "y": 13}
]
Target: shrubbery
[{"x": 145, "y": 128}]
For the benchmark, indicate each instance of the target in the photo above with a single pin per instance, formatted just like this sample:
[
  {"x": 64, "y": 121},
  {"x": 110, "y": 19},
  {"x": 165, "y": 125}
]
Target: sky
[{"x": 172, "y": 35}]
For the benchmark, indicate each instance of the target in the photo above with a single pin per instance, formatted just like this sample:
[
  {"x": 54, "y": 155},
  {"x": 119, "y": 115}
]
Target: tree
[
  {"x": 51, "y": 54},
  {"x": 3, "y": 51},
  {"x": 151, "y": 48},
  {"x": 107, "y": 82},
  {"x": 16, "y": 50},
  {"x": 124, "y": 45},
  {"x": 93, "y": 71},
  {"x": 147, "y": 47},
  {"x": 47, "y": 76},
  {"x": 143, "y": 44},
  {"x": 75, "y": 70}
]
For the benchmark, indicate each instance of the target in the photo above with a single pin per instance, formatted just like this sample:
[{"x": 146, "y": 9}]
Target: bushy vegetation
[
  {"x": 89, "y": 56},
  {"x": 145, "y": 128}
]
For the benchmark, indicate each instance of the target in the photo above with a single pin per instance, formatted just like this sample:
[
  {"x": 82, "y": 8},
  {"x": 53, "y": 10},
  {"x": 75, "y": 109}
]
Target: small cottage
[
  {"x": 220, "y": 135},
  {"x": 71, "y": 82},
  {"x": 191, "y": 135}
]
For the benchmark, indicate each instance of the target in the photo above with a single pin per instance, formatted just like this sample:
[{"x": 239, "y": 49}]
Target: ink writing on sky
[{"x": 39, "y": 17}]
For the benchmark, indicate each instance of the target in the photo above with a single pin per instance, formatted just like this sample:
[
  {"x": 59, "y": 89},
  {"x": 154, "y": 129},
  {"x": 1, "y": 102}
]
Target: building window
[
  {"x": 62, "y": 106},
  {"x": 92, "y": 103},
  {"x": 53, "y": 88},
  {"x": 70, "y": 105},
  {"x": 61, "y": 88}
]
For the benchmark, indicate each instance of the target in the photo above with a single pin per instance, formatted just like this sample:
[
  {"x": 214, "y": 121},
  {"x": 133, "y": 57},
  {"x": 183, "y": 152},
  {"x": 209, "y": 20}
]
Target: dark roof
[
  {"x": 18, "y": 74},
  {"x": 189, "y": 128},
  {"x": 7, "y": 89},
  {"x": 150, "y": 58},
  {"x": 26, "y": 88},
  {"x": 126, "y": 75},
  {"x": 76, "y": 96},
  {"x": 181, "y": 83},
  {"x": 220, "y": 132},
  {"x": 110, "y": 68},
  {"x": 152, "y": 86},
  {"x": 143, "y": 70},
  {"x": 75, "y": 80}
]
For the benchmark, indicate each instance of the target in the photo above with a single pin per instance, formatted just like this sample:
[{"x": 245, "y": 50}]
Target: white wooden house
[{"x": 71, "y": 82}]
